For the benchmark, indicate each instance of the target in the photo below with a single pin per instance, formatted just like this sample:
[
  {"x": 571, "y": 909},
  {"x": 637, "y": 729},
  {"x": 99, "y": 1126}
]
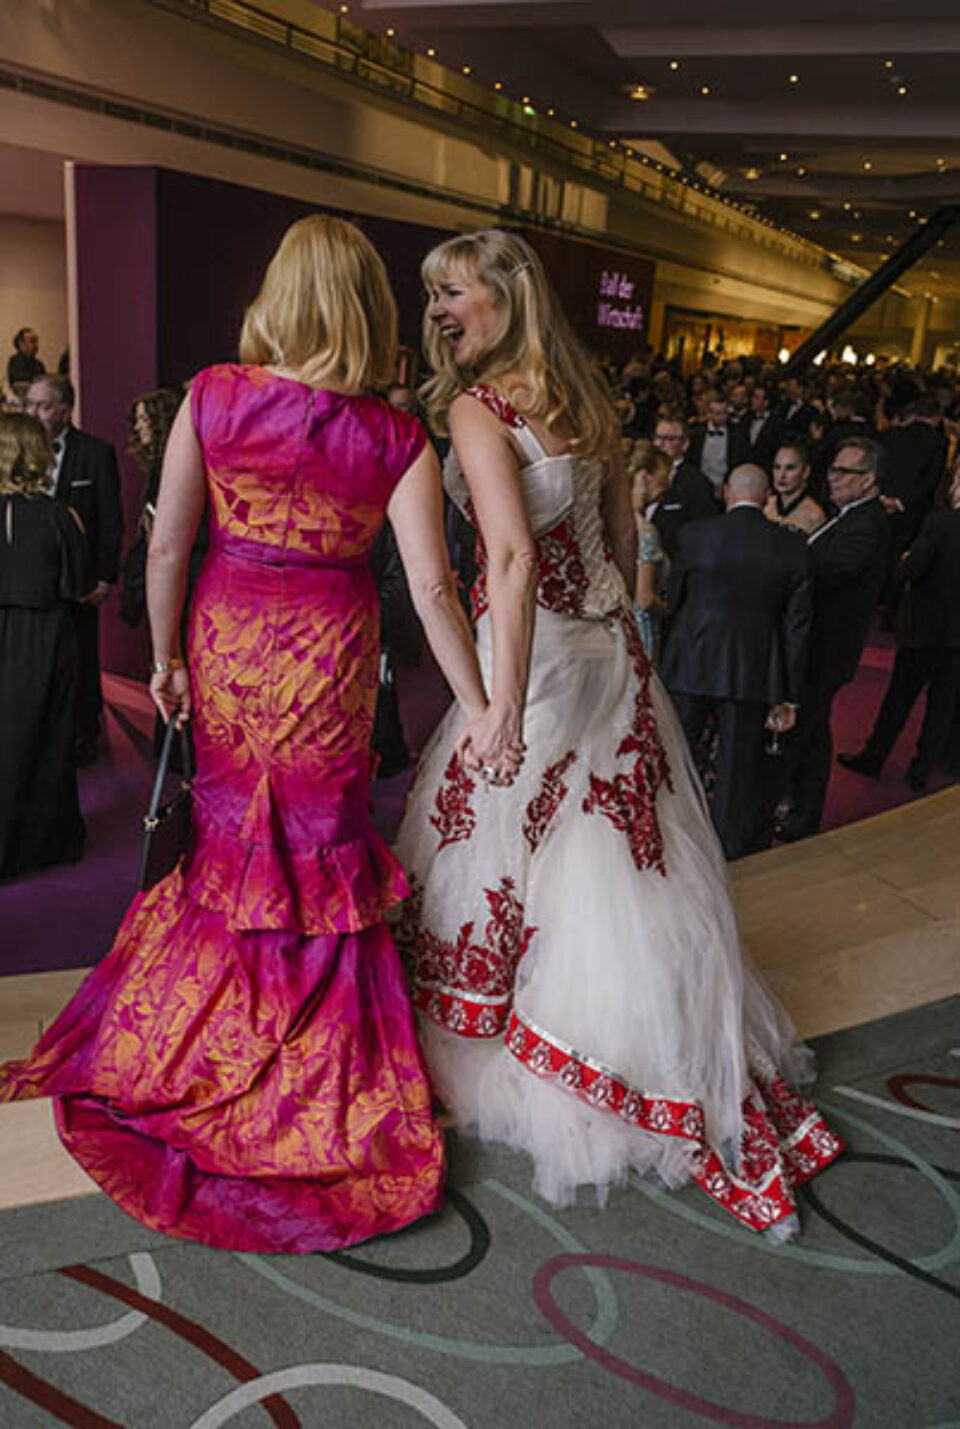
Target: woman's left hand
[
  {"x": 170, "y": 693},
  {"x": 492, "y": 744}
]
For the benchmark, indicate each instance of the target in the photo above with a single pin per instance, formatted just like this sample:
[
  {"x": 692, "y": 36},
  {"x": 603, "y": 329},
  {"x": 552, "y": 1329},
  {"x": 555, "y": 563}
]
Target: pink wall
[{"x": 116, "y": 267}]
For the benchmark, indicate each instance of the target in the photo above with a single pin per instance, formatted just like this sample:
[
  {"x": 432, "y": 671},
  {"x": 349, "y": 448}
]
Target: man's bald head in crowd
[{"x": 746, "y": 483}]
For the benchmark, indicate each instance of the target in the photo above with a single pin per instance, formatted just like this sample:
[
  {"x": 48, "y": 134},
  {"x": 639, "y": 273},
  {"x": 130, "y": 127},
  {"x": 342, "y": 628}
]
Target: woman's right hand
[
  {"x": 170, "y": 693},
  {"x": 493, "y": 741}
]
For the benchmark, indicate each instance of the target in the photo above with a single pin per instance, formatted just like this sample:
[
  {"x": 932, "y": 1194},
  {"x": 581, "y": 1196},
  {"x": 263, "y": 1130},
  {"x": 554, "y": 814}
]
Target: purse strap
[{"x": 163, "y": 766}]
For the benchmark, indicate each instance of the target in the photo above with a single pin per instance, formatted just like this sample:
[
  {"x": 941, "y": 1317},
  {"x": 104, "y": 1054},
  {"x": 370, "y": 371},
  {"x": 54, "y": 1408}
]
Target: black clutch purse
[{"x": 166, "y": 827}]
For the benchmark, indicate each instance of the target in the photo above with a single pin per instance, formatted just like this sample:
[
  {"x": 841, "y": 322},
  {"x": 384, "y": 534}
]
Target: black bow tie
[{"x": 716, "y": 431}]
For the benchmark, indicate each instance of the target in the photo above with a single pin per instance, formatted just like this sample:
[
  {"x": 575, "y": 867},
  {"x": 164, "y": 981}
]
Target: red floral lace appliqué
[
  {"x": 544, "y": 805},
  {"x": 495, "y": 402},
  {"x": 629, "y": 799},
  {"x": 562, "y": 580},
  {"x": 785, "y": 1139},
  {"x": 455, "y": 819},
  {"x": 462, "y": 983}
]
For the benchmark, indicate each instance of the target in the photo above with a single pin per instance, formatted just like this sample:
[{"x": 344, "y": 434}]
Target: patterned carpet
[{"x": 655, "y": 1313}]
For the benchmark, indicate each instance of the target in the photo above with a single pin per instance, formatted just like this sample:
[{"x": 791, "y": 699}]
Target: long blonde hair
[
  {"x": 25, "y": 454},
  {"x": 533, "y": 343},
  {"x": 325, "y": 309}
]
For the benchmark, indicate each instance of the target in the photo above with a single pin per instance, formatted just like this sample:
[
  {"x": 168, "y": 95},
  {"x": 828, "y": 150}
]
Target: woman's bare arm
[
  {"x": 619, "y": 522},
  {"x": 179, "y": 510},
  {"x": 416, "y": 514},
  {"x": 491, "y": 466}
]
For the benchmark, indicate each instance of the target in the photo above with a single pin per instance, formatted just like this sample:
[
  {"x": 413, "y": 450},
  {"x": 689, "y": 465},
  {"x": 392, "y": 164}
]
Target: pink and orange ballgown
[{"x": 242, "y": 1068}]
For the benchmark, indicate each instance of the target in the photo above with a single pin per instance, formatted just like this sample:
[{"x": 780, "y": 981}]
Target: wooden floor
[{"x": 848, "y": 927}]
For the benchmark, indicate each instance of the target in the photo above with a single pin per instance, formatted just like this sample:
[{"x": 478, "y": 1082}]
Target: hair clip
[{"x": 521, "y": 266}]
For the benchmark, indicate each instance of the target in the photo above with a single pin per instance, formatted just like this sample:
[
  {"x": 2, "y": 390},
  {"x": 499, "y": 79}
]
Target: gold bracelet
[{"x": 163, "y": 667}]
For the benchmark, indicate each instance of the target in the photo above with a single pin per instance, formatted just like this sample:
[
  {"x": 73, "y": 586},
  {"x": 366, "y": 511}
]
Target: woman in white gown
[{"x": 577, "y": 965}]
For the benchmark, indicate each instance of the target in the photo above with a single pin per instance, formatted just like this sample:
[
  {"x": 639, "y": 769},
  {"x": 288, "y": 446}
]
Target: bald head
[{"x": 746, "y": 483}]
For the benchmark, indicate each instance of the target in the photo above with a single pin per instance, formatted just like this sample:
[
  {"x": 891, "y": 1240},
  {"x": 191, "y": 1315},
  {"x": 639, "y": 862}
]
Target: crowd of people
[{"x": 243, "y": 1068}]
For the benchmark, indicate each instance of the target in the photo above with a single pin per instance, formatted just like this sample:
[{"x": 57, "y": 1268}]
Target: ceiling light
[
  {"x": 612, "y": 144},
  {"x": 551, "y": 113},
  {"x": 814, "y": 214},
  {"x": 431, "y": 53},
  {"x": 794, "y": 79},
  {"x": 525, "y": 99},
  {"x": 573, "y": 123},
  {"x": 901, "y": 90},
  {"x": 344, "y": 9},
  {"x": 674, "y": 64},
  {"x": 856, "y": 237},
  {"x": 466, "y": 69},
  {"x": 784, "y": 158},
  {"x": 529, "y": 109},
  {"x": 848, "y": 207},
  {"x": 867, "y": 165},
  {"x": 912, "y": 213},
  {"x": 704, "y": 89},
  {"x": 751, "y": 173},
  {"x": 640, "y": 91},
  {"x": 498, "y": 84},
  {"x": 888, "y": 64},
  {"x": 801, "y": 173},
  {"x": 390, "y": 32}
]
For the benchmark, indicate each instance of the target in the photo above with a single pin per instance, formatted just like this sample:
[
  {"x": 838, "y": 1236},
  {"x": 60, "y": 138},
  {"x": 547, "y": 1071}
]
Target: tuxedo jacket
[
  {"x": 689, "y": 497},
  {"x": 913, "y": 460},
  {"x": 767, "y": 443},
  {"x": 848, "y": 561},
  {"x": 737, "y": 446},
  {"x": 90, "y": 482},
  {"x": 739, "y": 610},
  {"x": 932, "y": 570}
]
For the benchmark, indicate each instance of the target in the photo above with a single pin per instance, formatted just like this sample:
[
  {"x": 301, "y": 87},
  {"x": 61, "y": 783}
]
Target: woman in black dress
[{"x": 43, "y": 567}]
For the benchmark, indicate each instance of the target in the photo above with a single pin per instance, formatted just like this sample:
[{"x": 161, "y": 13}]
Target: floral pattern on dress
[
  {"x": 544, "y": 805},
  {"x": 455, "y": 819},
  {"x": 465, "y": 983},
  {"x": 785, "y": 1140},
  {"x": 562, "y": 580},
  {"x": 629, "y": 799}
]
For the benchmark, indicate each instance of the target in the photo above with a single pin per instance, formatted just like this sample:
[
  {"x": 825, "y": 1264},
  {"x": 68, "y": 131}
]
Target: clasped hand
[{"x": 492, "y": 745}]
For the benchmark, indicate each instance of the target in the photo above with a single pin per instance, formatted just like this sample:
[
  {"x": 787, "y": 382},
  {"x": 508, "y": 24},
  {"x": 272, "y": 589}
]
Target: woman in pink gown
[{"x": 242, "y": 1068}]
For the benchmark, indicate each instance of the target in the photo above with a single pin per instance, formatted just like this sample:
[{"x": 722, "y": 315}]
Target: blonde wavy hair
[
  {"x": 325, "y": 309},
  {"x": 26, "y": 455},
  {"x": 550, "y": 377}
]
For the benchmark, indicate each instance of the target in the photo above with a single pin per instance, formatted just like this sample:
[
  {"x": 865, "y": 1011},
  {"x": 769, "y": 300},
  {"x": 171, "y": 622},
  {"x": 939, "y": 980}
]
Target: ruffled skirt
[{"x": 577, "y": 964}]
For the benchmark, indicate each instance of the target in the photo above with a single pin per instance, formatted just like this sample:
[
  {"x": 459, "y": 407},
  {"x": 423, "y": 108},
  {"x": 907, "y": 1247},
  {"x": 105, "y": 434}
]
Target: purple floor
[{"x": 66, "y": 917}]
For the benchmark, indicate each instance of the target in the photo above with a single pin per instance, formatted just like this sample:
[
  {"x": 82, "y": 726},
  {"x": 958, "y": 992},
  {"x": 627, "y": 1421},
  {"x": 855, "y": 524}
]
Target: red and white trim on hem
[
  {"x": 464, "y": 983},
  {"x": 785, "y": 1139}
]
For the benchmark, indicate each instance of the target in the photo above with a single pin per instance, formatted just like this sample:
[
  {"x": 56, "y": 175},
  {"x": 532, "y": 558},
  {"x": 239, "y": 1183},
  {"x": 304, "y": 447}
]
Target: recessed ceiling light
[
  {"x": 431, "y": 53},
  {"x": 801, "y": 173},
  {"x": 751, "y": 173},
  {"x": 784, "y": 158},
  {"x": 640, "y": 91},
  {"x": 848, "y": 207},
  {"x": 498, "y": 84},
  {"x": 888, "y": 64},
  {"x": 573, "y": 123},
  {"x": 814, "y": 214},
  {"x": 525, "y": 99},
  {"x": 551, "y": 113},
  {"x": 902, "y": 90},
  {"x": 467, "y": 69},
  {"x": 674, "y": 64},
  {"x": 794, "y": 79},
  {"x": 867, "y": 165},
  {"x": 704, "y": 89},
  {"x": 390, "y": 32}
]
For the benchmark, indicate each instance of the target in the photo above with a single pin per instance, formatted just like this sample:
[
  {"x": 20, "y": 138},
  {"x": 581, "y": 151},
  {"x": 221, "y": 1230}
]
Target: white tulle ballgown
[{"x": 583, "y": 993}]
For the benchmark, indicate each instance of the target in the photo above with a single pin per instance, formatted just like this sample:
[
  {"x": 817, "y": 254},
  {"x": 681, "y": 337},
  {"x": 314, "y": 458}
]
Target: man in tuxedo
[
  {"x": 914, "y": 456},
  {"x": 719, "y": 446},
  {"x": 848, "y": 564},
  {"x": 763, "y": 429},
  {"x": 796, "y": 410},
  {"x": 739, "y": 618},
  {"x": 84, "y": 476},
  {"x": 689, "y": 497},
  {"x": 928, "y": 651}
]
